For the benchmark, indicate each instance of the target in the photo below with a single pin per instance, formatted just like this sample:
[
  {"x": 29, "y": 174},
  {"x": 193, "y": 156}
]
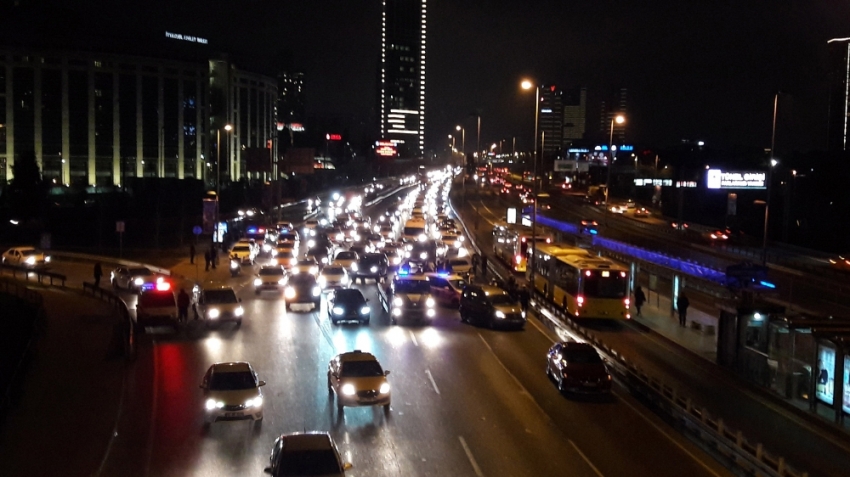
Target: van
[{"x": 157, "y": 306}]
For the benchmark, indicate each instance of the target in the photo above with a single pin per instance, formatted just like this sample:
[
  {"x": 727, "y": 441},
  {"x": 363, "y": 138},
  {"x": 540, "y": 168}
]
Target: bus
[
  {"x": 414, "y": 230},
  {"x": 511, "y": 245},
  {"x": 545, "y": 255},
  {"x": 584, "y": 286}
]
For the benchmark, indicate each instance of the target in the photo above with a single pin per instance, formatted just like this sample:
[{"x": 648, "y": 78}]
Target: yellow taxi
[{"x": 357, "y": 379}]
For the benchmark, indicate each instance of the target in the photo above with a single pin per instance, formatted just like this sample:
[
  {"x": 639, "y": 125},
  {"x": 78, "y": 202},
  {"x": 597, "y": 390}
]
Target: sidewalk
[
  {"x": 656, "y": 315},
  {"x": 72, "y": 392}
]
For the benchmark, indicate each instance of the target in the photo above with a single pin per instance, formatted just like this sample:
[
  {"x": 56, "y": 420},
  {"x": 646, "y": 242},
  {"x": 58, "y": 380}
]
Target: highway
[{"x": 466, "y": 401}]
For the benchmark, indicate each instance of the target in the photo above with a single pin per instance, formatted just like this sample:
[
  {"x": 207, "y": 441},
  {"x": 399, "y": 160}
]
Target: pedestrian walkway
[
  {"x": 71, "y": 394},
  {"x": 699, "y": 337}
]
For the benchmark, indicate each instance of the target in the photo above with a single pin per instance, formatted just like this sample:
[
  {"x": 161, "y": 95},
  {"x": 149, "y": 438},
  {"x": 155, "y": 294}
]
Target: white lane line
[
  {"x": 428, "y": 372},
  {"x": 470, "y": 457},
  {"x": 413, "y": 337},
  {"x": 152, "y": 428},
  {"x": 585, "y": 458},
  {"x": 668, "y": 436}
]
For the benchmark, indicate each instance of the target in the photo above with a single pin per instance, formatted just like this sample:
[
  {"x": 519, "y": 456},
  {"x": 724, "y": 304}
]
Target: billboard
[
  {"x": 825, "y": 386},
  {"x": 719, "y": 179},
  {"x": 385, "y": 149}
]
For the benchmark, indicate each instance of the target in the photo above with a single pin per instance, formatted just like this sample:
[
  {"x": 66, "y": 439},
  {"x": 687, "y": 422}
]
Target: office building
[
  {"x": 611, "y": 105},
  {"x": 575, "y": 115},
  {"x": 550, "y": 121},
  {"x": 402, "y": 75},
  {"x": 839, "y": 93}
]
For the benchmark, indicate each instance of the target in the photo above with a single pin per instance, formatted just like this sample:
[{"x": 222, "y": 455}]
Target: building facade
[
  {"x": 839, "y": 93},
  {"x": 96, "y": 119},
  {"x": 551, "y": 120},
  {"x": 575, "y": 115},
  {"x": 613, "y": 104},
  {"x": 402, "y": 75}
]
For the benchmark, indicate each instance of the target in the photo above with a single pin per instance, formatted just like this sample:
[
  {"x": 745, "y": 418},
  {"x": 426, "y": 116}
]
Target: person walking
[
  {"x": 476, "y": 260},
  {"x": 640, "y": 298},
  {"x": 483, "y": 266},
  {"x": 682, "y": 304},
  {"x": 98, "y": 272},
  {"x": 524, "y": 298},
  {"x": 213, "y": 256},
  {"x": 183, "y": 306},
  {"x": 207, "y": 260},
  {"x": 192, "y": 253}
]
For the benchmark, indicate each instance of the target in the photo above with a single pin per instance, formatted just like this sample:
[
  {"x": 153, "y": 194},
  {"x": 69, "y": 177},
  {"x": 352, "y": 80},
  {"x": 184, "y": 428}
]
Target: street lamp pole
[
  {"x": 530, "y": 262},
  {"x": 771, "y": 165},
  {"x": 227, "y": 128},
  {"x": 619, "y": 119}
]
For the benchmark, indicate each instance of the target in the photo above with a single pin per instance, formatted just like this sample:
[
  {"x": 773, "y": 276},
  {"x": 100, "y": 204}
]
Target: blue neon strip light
[{"x": 767, "y": 284}]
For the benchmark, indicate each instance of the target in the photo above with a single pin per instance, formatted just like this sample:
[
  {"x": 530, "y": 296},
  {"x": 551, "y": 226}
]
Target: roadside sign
[
  {"x": 511, "y": 218},
  {"x": 197, "y": 230},
  {"x": 119, "y": 226}
]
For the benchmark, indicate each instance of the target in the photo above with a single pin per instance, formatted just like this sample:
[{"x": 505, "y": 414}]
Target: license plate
[{"x": 232, "y": 414}]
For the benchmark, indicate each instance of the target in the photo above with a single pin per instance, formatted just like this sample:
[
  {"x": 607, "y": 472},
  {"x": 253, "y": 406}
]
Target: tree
[{"x": 27, "y": 191}]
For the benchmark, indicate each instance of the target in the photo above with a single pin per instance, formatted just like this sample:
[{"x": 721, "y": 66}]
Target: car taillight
[
  {"x": 518, "y": 258},
  {"x": 627, "y": 302},
  {"x": 580, "y": 300}
]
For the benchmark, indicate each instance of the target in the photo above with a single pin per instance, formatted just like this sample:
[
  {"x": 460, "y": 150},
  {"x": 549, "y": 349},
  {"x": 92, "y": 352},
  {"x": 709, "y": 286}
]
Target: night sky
[{"x": 696, "y": 69}]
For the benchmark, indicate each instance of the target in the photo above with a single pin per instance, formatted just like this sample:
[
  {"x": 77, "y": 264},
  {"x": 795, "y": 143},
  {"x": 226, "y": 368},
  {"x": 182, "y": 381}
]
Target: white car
[
  {"x": 306, "y": 265},
  {"x": 133, "y": 278},
  {"x": 451, "y": 243},
  {"x": 460, "y": 265},
  {"x": 244, "y": 253},
  {"x": 333, "y": 276},
  {"x": 271, "y": 277},
  {"x": 25, "y": 256},
  {"x": 346, "y": 258},
  {"x": 310, "y": 227},
  {"x": 232, "y": 392}
]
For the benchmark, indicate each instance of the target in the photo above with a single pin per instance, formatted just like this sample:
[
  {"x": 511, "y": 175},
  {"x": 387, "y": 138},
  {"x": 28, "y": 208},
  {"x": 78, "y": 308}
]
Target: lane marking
[
  {"x": 413, "y": 337},
  {"x": 114, "y": 435},
  {"x": 585, "y": 458},
  {"x": 152, "y": 428},
  {"x": 428, "y": 372},
  {"x": 516, "y": 380},
  {"x": 470, "y": 457}
]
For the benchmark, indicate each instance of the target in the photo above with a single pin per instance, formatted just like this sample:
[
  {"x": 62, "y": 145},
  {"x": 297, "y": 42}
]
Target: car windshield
[
  {"x": 414, "y": 231},
  {"x": 412, "y": 286},
  {"x": 361, "y": 369},
  {"x": 458, "y": 283},
  {"x": 140, "y": 271},
  {"x": 582, "y": 356},
  {"x": 270, "y": 271},
  {"x": 307, "y": 262},
  {"x": 157, "y": 299},
  {"x": 288, "y": 237},
  {"x": 346, "y": 256},
  {"x": 502, "y": 299},
  {"x": 332, "y": 271},
  {"x": 28, "y": 252},
  {"x": 233, "y": 381},
  {"x": 459, "y": 263},
  {"x": 287, "y": 254},
  {"x": 302, "y": 279},
  {"x": 349, "y": 296},
  {"x": 220, "y": 296},
  {"x": 241, "y": 248},
  {"x": 308, "y": 462}
]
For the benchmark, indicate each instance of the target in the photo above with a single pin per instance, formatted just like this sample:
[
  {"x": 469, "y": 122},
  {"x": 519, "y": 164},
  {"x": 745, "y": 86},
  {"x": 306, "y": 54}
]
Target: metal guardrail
[
  {"x": 728, "y": 445},
  {"x": 41, "y": 275},
  {"x": 125, "y": 328}
]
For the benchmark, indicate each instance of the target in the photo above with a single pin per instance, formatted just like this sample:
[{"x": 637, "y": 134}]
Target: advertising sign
[
  {"x": 655, "y": 182},
  {"x": 719, "y": 179},
  {"x": 333, "y": 137},
  {"x": 385, "y": 149},
  {"x": 511, "y": 218},
  {"x": 825, "y": 384},
  {"x": 209, "y": 213}
]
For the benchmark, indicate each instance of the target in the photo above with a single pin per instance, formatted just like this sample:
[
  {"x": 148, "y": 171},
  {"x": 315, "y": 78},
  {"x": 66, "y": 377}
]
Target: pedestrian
[
  {"x": 207, "y": 260},
  {"x": 483, "y": 266},
  {"x": 640, "y": 299},
  {"x": 183, "y": 305},
  {"x": 213, "y": 256},
  {"x": 476, "y": 260},
  {"x": 98, "y": 272},
  {"x": 524, "y": 298},
  {"x": 192, "y": 253},
  {"x": 682, "y": 304}
]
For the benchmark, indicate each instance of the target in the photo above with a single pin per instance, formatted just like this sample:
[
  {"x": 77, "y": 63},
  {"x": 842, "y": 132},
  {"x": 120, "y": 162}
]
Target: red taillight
[
  {"x": 163, "y": 286},
  {"x": 523, "y": 239},
  {"x": 580, "y": 300},
  {"x": 587, "y": 273}
]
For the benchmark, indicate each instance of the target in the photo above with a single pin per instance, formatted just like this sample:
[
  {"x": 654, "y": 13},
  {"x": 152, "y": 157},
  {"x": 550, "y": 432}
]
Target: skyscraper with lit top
[{"x": 402, "y": 75}]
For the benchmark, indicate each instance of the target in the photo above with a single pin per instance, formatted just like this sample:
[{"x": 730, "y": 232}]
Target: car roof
[
  {"x": 306, "y": 441},
  {"x": 575, "y": 345},
  {"x": 232, "y": 367},
  {"x": 356, "y": 355}
]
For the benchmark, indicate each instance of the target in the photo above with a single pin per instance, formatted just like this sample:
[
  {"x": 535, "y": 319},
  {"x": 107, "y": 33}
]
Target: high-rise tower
[
  {"x": 402, "y": 76},
  {"x": 839, "y": 93}
]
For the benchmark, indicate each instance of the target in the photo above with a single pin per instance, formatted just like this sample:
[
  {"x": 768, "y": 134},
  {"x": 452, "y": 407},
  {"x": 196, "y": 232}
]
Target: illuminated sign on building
[
  {"x": 296, "y": 127},
  {"x": 718, "y": 179},
  {"x": 385, "y": 148},
  {"x": 545, "y": 110},
  {"x": 686, "y": 184},
  {"x": 656, "y": 183},
  {"x": 189, "y": 38},
  {"x": 624, "y": 147},
  {"x": 333, "y": 137}
]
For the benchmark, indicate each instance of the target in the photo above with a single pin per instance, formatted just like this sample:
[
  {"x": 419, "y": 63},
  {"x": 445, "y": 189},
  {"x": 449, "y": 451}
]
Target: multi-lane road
[{"x": 466, "y": 401}]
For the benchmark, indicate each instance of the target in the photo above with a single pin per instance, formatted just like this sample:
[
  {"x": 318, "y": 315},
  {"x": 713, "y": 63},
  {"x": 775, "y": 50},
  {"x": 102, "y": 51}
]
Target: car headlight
[
  {"x": 255, "y": 402},
  {"x": 523, "y": 314},
  {"x": 311, "y": 243},
  {"x": 296, "y": 271},
  {"x": 213, "y": 313},
  {"x": 46, "y": 259},
  {"x": 266, "y": 247},
  {"x": 461, "y": 238},
  {"x": 348, "y": 389},
  {"x": 213, "y": 404},
  {"x": 239, "y": 311},
  {"x": 30, "y": 261},
  {"x": 317, "y": 291},
  {"x": 429, "y": 302},
  {"x": 293, "y": 261},
  {"x": 343, "y": 280},
  {"x": 138, "y": 281},
  {"x": 499, "y": 314},
  {"x": 289, "y": 292},
  {"x": 423, "y": 237},
  {"x": 353, "y": 267},
  {"x": 373, "y": 269},
  {"x": 281, "y": 281},
  {"x": 257, "y": 282},
  {"x": 322, "y": 280},
  {"x": 365, "y": 310},
  {"x": 324, "y": 259},
  {"x": 397, "y": 301},
  {"x": 338, "y": 310},
  {"x": 396, "y": 311},
  {"x": 340, "y": 237},
  {"x": 314, "y": 270},
  {"x": 396, "y": 260},
  {"x": 457, "y": 244},
  {"x": 385, "y": 388}
]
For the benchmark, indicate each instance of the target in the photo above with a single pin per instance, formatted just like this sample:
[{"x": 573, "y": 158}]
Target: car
[
  {"x": 132, "y": 278},
  {"x": 157, "y": 306},
  {"x": 490, "y": 306},
  {"x": 589, "y": 226},
  {"x": 302, "y": 291},
  {"x": 459, "y": 266},
  {"x": 840, "y": 261},
  {"x": 25, "y": 256},
  {"x": 387, "y": 233},
  {"x": 285, "y": 258},
  {"x": 446, "y": 288},
  {"x": 244, "y": 253},
  {"x": 577, "y": 367},
  {"x": 333, "y": 276},
  {"x": 305, "y": 265},
  {"x": 232, "y": 393},
  {"x": 357, "y": 379},
  {"x": 618, "y": 209},
  {"x": 370, "y": 265},
  {"x": 630, "y": 204},
  {"x": 718, "y": 235},
  {"x": 310, "y": 226},
  {"x": 679, "y": 225},
  {"x": 307, "y": 454},
  {"x": 270, "y": 277},
  {"x": 450, "y": 243},
  {"x": 642, "y": 212},
  {"x": 291, "y": 238},
  {"x": 345, "y": 258},
  {"x": 319, "y": 253},
  {"x": 216, "y": 305},
  {"x": 348, "y": 305},
  {"x": 408, "y": 296}
]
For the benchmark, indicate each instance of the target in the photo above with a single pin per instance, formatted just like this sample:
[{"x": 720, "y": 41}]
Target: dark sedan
[
  {"x": 370, "y": 265},
  {"x": 302, "y": 292},
  {"x": 578, "y": 368},
  {"x": 348, "y": 305}
]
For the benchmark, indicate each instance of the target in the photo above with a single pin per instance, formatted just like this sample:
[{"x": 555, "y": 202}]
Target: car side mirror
[
  {"x": 268, "y": 470},
  {"x": 347, "y": 466},
  {"x": 386, "y": 372},
  {"x": 261, "y": 383}
]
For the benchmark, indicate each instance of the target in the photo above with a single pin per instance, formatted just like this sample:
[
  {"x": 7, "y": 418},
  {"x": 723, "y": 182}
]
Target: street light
[
  {"x": 527, "y": 85},
  {"x": 619, "y": 119},
  {"x": 773, "y": 163},
  {"x": 462, "y": 140},
  {"x": 227, "y": 128}
]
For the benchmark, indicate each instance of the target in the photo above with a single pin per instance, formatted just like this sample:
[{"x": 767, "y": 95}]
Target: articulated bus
[
  {"x": 583, "y": 285},
  {"x": 512, "y": 245}
]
